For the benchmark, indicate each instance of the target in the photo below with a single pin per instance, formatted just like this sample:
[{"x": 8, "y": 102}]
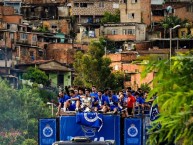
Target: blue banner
[
  {"x": 110, "y": 129},
  {"x": 154, "y": 113},
  {"x": 93, "y": 120},
  {"x": 133, "y": 131},
  {"x": 47, "y": 131}
]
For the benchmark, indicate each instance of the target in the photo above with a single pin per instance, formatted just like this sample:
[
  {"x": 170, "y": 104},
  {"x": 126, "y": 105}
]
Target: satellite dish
[{"x": 169, "y": 9}]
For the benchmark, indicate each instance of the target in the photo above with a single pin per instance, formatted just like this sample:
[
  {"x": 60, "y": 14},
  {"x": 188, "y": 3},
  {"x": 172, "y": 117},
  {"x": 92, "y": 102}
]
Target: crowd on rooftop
[{"x": 126, "y": 102}]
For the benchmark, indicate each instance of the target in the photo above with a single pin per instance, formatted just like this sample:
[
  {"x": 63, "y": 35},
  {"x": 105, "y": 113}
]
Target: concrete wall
[
  {"x": 136, "y": 12},
  {"x": 140, "y": 32},
  {"x": 138, "y": 29},
  {"x": 54, "y": 79}
]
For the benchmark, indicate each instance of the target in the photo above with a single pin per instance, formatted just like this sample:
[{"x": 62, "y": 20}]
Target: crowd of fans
[{"x": 125, "y": 102}]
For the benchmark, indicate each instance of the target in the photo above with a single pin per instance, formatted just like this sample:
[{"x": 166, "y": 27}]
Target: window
[
  {"x": 76, "y": 4},
  {"x": 31, "y": 53},
  {"x": 183, "y": 33},
  {"x": 83, "y": 5},
  {"x": 23, "y": 36},
  {"x": 129, "y": 31},
  {"x": 101, "y": 4},
  {"x": 131, "y": 15},
  {"x": 1, "y": 36},
  {"x": 34, "y": 38},
  {"x": 189, "y": 8},
  {"x": 40, "y": 53},
  {"x": 54, "y": 27},
  {"x": 115, "y": 5},
  {"x": 11, "y": 35},
  {"x": 1, "y": 56},
  {"x": 133, "y": 1},
  {"x": 116, "y": 67},
  {"x": 114, "y": 32}
]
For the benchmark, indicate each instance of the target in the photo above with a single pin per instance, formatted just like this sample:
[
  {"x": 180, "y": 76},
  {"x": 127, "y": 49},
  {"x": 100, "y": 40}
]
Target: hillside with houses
[{"x": 48, "y": 33}]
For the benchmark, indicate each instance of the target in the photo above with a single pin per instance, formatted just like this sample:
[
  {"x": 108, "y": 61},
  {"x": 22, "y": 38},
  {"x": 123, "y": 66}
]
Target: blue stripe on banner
[
  {"x": 47, "y": 131},
  {"x": 109, "y": 131},
  {"x": 133, "y": 131}
]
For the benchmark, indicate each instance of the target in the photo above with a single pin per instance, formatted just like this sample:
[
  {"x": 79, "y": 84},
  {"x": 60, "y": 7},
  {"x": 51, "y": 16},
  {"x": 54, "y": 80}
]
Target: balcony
[{"x": 119, "y": 37}]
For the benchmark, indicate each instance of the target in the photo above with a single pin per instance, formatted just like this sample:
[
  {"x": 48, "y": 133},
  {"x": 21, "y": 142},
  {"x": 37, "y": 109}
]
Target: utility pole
[{"x": 5, "y": 53}]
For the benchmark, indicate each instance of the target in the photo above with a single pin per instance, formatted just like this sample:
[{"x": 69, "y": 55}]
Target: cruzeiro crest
[
  {"x": 89, "y": 131},
  {"x": 132, "y": 130},
  {"x": 91, "y": 118},
  {"x": 47, "y": 131}
]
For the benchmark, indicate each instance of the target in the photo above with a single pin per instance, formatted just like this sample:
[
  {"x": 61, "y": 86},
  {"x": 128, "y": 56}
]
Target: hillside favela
[{"x": 96, "y": 72}]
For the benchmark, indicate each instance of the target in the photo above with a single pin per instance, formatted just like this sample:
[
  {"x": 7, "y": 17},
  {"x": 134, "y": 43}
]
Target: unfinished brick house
[{"x": 54, "y": 13}]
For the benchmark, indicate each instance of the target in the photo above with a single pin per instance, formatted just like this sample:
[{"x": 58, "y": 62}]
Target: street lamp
[
  {"x": 52, "y": 104},
  {"x": 171, "y": 40},
  {"x": 5, "y": 54}
]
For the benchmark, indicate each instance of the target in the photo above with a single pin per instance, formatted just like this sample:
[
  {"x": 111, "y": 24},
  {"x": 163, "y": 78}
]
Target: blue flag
[
  {"x": 154, "y": 113},
  {"x": 93, "y": 120}
]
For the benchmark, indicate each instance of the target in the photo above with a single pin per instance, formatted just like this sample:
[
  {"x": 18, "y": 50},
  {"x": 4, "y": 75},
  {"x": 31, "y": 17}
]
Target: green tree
[
  {"x": 174, "y": 88},
  {"x": 109, "y": 17},
  {"x": 36, "y": 76},
  {"x": 116, "y": 81},
  {"x": 92, "y": 67}
]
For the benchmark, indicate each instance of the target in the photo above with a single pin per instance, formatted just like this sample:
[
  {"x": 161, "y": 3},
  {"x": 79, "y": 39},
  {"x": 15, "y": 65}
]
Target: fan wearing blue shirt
[
  {"x": 97, "y": 103},
  {"x": 62, "y": 99},
  {"x": 94, "y": 92},
  {"x": 73, "y": 104},
  {"x": 105, "y": 101},
  {"x": 113, "y": 102}
]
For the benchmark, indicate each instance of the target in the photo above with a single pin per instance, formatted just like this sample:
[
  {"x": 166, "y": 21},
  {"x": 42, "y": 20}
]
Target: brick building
[{"x": 62, "y": 53}]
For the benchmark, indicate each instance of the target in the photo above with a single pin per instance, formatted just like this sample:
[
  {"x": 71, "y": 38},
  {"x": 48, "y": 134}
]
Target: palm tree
[{"x": 170, "y": 22}]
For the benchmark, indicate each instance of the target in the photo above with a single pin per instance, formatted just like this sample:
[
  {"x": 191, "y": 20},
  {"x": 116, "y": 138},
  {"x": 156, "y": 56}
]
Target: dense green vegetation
[
  {"x": 20, "y": 110},
  {"x": 109, "y": 17},
  {"x": 174, "y": 88},
  {"x": 36, "y": 75}
]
